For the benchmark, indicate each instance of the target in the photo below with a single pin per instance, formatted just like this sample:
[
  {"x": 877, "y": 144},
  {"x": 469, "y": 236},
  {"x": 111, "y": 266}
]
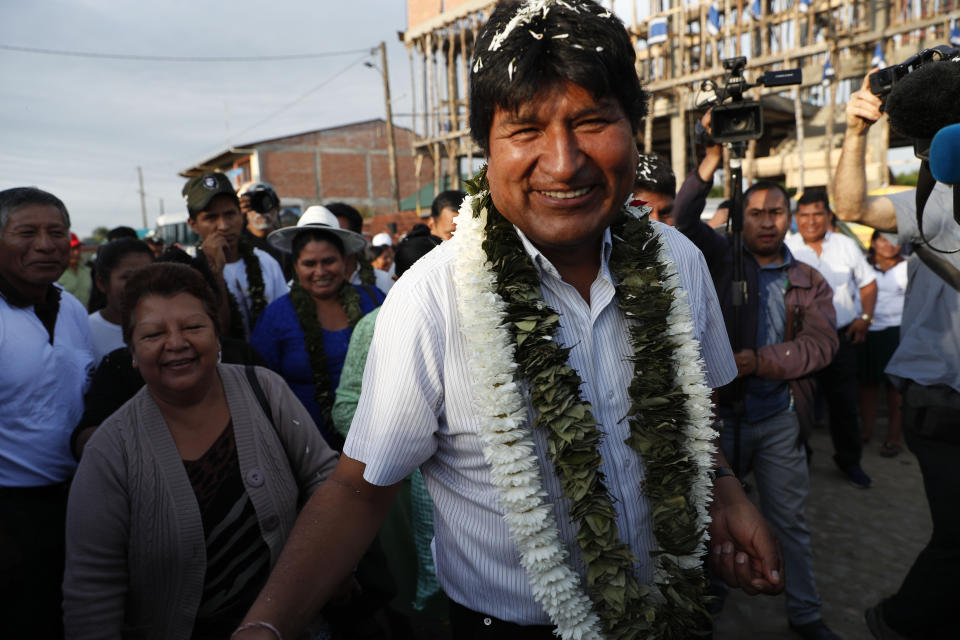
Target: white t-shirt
[
  {"x": 104, "y": 336},
  {"x": 891, "y": 287},
  {"x": 274, "y": 285},
  {"x": 843, "y": 266},
  {"x": 41, "y": 392},
  {"x": 416, "y": 409}
]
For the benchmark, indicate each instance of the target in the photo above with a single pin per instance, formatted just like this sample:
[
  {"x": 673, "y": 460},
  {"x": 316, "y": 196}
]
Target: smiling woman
[
  {"x": 190, "y": 476},
  {"x": 304, "y": 335}
]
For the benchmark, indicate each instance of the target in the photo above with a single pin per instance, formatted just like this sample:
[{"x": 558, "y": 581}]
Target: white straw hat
[{"x": 320, "y": 218}]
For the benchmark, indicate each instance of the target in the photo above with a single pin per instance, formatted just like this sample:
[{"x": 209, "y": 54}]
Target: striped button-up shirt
[{"x": 415, "y": 410}]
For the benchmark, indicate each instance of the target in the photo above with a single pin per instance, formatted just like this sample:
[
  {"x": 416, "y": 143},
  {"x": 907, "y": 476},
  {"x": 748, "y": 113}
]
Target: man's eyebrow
[{"x": 527, "y": 115}]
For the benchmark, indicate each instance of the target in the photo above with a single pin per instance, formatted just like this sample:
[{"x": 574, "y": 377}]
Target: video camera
[
  {"x": 881, "y": 82},
  {"x": 741, "y": 120}
]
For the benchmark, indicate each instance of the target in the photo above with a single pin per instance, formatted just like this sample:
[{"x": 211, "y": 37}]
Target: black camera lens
[{"x": 263, "y": 201}]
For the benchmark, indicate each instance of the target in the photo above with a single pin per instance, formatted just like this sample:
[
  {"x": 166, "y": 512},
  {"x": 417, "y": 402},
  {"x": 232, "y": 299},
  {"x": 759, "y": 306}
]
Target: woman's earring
[{"x": 219, "y": 354}]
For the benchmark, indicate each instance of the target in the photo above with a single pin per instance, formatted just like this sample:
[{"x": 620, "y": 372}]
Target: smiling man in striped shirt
[{"x": 504, "y": 365}]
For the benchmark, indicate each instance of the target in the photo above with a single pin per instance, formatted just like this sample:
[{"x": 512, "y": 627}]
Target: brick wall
[
  {"x": 350, "y": 164},
  {"x": 419, "y": 11}
]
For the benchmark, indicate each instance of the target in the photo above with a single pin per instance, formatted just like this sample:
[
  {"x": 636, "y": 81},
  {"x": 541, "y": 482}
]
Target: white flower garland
[{"x": 508, "y": 444}]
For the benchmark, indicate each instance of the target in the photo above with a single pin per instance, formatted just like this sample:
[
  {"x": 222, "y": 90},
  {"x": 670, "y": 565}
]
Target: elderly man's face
[
  {"x": 35, "y": 246},
  {"x": 813, "y": 219},
  {"x": 561, "y": 166}
]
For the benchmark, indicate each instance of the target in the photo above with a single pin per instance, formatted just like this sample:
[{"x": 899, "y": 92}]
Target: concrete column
[{"x": 678, "y": 144}]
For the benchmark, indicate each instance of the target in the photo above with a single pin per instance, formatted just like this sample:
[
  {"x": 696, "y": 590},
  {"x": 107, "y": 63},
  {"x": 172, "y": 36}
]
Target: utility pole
[
  {"x": 161, "y": 206},
  {"x": 143, "y": 197},
  {"x": 391, "y": 143}
]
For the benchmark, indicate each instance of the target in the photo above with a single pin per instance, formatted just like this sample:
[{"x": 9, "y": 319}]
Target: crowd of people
[{"x": 530, "y": 416}]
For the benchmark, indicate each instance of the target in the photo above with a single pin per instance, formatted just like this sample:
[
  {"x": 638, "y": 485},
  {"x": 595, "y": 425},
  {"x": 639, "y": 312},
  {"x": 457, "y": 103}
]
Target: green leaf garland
[{"x": 306, "y": 310}]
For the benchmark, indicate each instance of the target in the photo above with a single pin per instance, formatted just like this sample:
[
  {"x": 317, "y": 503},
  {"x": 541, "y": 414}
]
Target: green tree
[{"x": 98, "y": 236}]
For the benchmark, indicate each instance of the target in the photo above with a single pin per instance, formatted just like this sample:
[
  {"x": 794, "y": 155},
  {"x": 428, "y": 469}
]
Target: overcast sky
[{"x": 79, "y": 127}]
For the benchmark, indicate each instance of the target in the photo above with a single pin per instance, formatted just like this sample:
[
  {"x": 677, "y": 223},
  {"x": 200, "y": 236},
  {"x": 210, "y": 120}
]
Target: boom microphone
[{"x": 945, "y": 155}]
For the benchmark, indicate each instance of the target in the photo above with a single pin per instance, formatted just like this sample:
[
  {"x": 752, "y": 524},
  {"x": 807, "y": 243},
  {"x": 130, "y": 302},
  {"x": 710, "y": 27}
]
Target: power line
[
  {"x": 146, "y": 58},
  {"x": 303, "y": 96}
]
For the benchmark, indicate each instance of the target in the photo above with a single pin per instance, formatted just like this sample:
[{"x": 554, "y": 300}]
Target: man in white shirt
[
  {"x": 560, "y": 168},
  {"x": 251, "y": 275},
  {"x": 854, "y": 286},
  {"x": 46, "y": 365}
]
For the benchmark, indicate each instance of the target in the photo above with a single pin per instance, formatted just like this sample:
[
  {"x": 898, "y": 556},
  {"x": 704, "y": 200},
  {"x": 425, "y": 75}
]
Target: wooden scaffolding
[{"x": 803, "y": 124}]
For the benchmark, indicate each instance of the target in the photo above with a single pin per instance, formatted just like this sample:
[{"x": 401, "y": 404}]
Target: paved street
[{"x": 863, "y": 543}]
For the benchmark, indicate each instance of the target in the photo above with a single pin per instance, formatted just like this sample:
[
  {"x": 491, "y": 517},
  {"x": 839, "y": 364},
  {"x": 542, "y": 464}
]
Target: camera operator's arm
[
  {"x": 850, "y": 179},
  {"x": 691, "y": 199}
]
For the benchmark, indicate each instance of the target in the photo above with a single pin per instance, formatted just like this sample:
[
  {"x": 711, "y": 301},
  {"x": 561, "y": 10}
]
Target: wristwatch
[
  {"x": 720, "y": 472},
  {"x": 867, "y": 317}
]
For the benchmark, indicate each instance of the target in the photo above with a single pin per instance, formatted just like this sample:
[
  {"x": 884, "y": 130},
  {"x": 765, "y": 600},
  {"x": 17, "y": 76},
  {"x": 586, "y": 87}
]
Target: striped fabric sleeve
[{"x": 393, "y": 429}]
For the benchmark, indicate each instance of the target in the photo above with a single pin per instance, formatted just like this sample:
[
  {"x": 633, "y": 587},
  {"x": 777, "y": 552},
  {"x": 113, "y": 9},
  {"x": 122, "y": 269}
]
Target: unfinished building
[{"x": 679, "y": 45}]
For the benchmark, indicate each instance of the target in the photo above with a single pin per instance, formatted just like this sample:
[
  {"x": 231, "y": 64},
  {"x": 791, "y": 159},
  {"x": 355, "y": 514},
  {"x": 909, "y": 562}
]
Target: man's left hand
[
  {"x": 745, "y": 552},
  {"x": 746, "y": 360},
  {"x": 857, "y": 331}
]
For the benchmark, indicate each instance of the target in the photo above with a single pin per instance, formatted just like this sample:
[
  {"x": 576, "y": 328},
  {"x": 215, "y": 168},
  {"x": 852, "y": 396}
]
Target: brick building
[{"x": 348, "y": 163}]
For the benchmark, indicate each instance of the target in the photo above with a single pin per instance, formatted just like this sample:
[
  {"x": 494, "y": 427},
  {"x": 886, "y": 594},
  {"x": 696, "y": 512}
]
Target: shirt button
[
  {"x": 254, "y": 478},
  {"x": 487, "y": 622},
  {"x": 610, "y": 394},
  {"x": 271, "y": 522}
]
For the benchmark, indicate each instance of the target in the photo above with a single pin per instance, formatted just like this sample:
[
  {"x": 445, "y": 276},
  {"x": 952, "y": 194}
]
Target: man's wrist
[{"x": 867, "y": 317}]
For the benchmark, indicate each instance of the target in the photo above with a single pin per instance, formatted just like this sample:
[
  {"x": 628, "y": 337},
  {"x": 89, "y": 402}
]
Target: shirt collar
[
  {"x": 786, "y": 258},
  {"x": 542, "y": 264}
]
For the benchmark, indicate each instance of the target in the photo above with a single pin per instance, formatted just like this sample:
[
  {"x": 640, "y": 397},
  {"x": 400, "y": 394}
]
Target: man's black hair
[
  {"x": 577, "y": 41},
  {"x": 121, "y": 232},
  {"x": 766, "y": 185},
  {"x": 450, "y": 199},
  {"x": 726, "y": 204},
  {"x": 926, "y": 100},
  {"x": 655, "y": 174},
  {"x": 343, "y": 210},
  {"x": 18, "y": 197},
  {"x": 813, "y": 196}
]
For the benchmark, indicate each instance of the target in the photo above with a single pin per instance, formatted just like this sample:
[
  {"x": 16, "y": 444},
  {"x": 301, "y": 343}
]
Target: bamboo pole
[
  {"x": 798, "y": 119},
  {"x": 452, "y": 146}
]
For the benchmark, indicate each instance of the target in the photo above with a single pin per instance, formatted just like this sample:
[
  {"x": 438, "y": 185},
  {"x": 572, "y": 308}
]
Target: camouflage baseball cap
[{"x": 200, "y": 190}]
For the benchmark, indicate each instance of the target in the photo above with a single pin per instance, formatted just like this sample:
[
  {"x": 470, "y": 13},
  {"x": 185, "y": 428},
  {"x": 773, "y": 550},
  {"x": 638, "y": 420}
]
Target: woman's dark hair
[
  {"x": 577, "y": 41},
  {"x": 376, "y": 252},
  {"x": 412, "y": 249},
  {"x": 111, "y": 253},
  {"x": 305, "y": 237},
  {"x": 167, "y": 280},
  {"x": 107, "y": 258}
]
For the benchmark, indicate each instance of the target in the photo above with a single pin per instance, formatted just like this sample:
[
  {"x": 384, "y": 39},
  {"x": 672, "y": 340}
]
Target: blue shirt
[
  {"x": 766, "y": 398},
  {"x": 279, "y": 338}
]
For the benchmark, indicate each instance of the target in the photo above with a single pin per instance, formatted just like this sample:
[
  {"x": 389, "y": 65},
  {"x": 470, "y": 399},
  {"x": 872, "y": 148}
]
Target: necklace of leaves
[
  {"x": 657, "y": 417},
  {"x": 306, "y": 310},
  {"x": 251, "y": 264}
]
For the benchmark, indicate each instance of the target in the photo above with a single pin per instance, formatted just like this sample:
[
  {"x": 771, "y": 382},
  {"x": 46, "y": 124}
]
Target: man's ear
[
  {"x": 192, "y": 221},
  {"x": 100, "y": 285}
]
